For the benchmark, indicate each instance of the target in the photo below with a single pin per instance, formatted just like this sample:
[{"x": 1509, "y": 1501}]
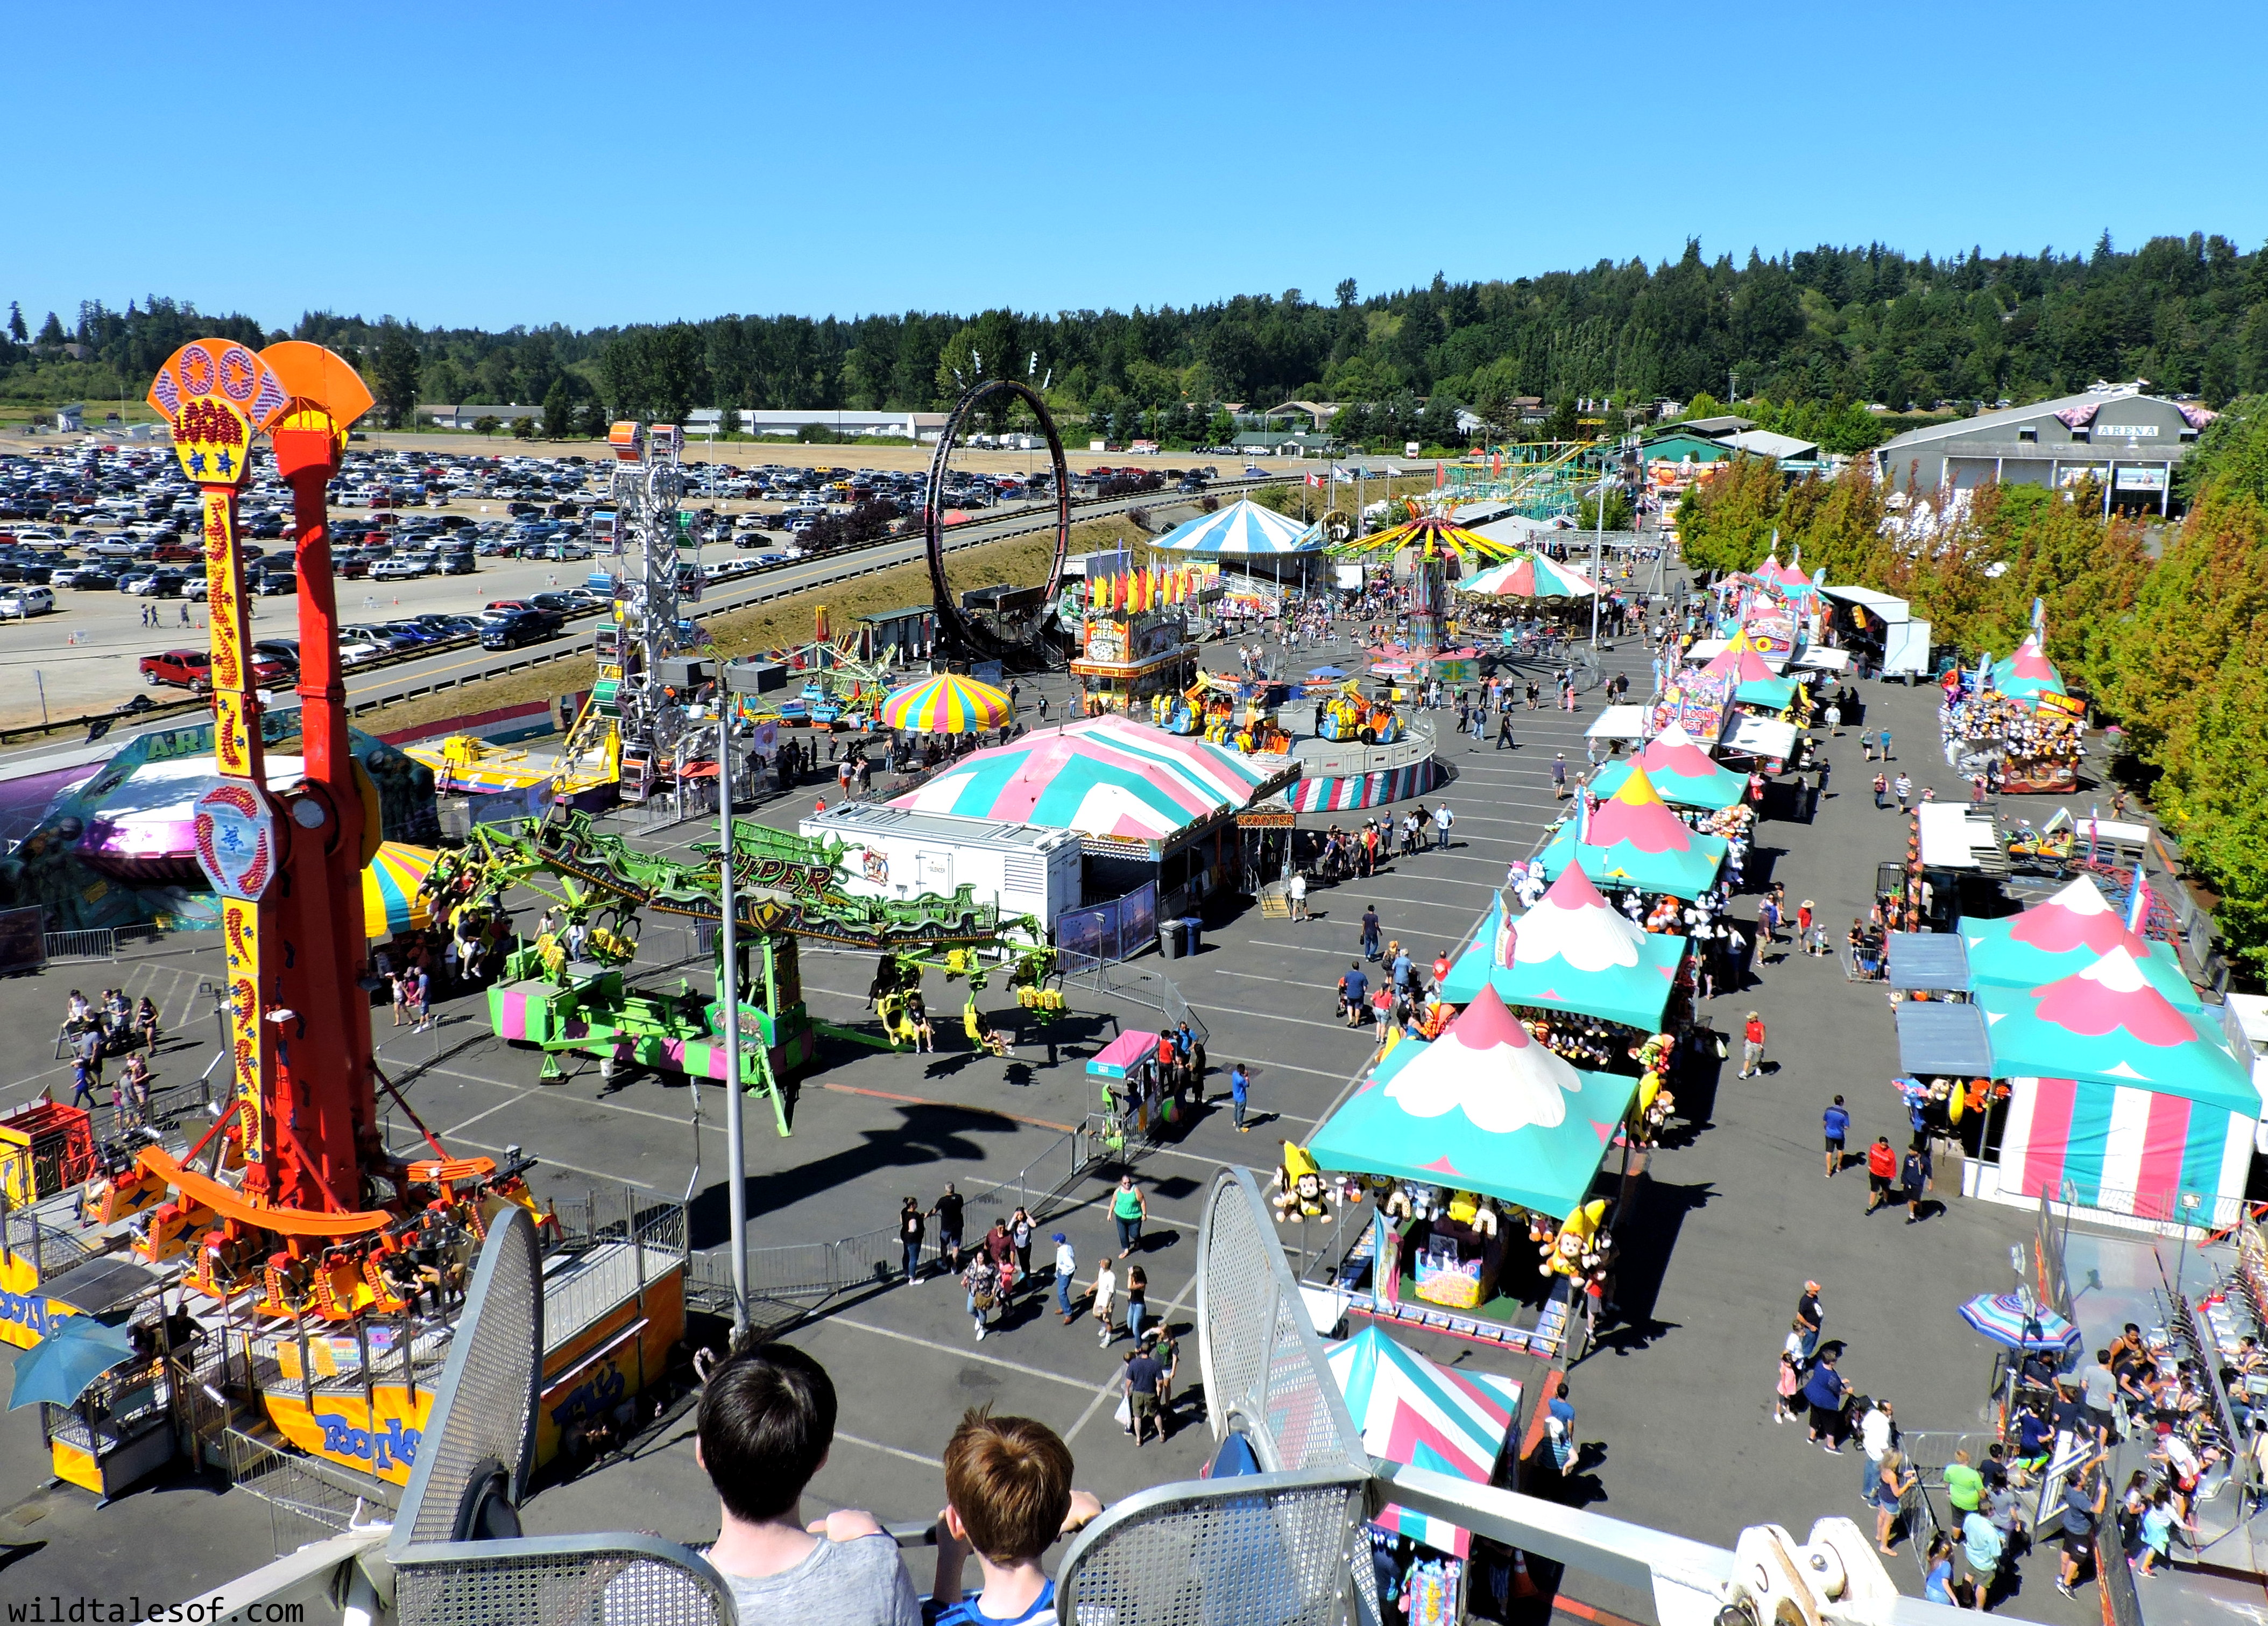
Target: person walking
[
  {"x": 1129, "y": 1208},
  {"x": 1881, "y": 1170},
  {"x": 1866, "y": 744},
  {"x": 1504, "y": 730},
  {"x": 912, "y": 1226},
  {"x": 1836, "y": 1122},
  {"x": 1369, "y": 933},
  {"x": 1787, "y": 1387},
  {"x": 982, "y": 1283},
  {"x": 1020, "y": 1235},
  {"x": 1904, "y": 788},
  {"x": 948, "y": 1211},
  {"x": 1137, "y": 1301},
  {"x": 2084, "y": 1494},
  {"x": 1915, "y": 1179},
  {"x": 1067, "y": 1271},
  {"x": 1559, "y": 776},
  {"x": 1885, "y": 745},
  {"x": 1752, "y": 1046},
  {"x": 1143, "y": 1378},
  {"x": 1239, "y": 1086},
  {"x": 1296, "y": 890},
  {"x": 1808, "y": 1316},
  {"x": 1882, "y": 793},
  {"x": 1444, "y": 821},
  {"x": 1354, "y": 989},
  {"x": 1103, "y": 1293},
  {"x": 86, "y": 1078}
]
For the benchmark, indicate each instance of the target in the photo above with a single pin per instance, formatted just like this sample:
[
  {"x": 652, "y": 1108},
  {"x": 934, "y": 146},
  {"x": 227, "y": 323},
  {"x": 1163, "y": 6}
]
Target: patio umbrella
[
  {"x": 391, "y": 903},
  {"x": 946, "y": 704},
  {"x": 2007, "y": 1320},
  {"x": 1327, "y": 671},
  {"x": 59, "y": 1368}
]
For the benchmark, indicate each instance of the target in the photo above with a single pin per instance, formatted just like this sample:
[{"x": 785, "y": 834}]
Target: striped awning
[
  {"x": 1246, "y": 528},
  {"x": 391, "y": 903}
]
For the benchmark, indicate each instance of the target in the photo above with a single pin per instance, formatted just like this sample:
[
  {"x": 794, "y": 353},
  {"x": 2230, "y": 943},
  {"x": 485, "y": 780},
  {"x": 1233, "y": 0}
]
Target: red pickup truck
[{"x": 192, "y": 669}]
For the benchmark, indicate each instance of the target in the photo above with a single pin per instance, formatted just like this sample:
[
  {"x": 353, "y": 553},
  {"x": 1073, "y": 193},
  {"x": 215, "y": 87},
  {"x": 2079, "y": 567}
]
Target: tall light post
[{"x": 728, "y": 994}]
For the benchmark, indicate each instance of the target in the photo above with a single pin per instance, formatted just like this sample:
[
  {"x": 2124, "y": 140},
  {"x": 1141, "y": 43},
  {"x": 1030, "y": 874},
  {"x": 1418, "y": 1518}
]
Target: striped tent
[
  {"x": 391, "y": 903},
  {"x": 1243, "y": 527},
  {"x": 946, "y": 704},
  {"x": 1101, "y": 776},
  {"x": 1410, "y": 1410},
  {"x": 2134, "y": 1106},
  {"x": 2028, "y": 673},
  {"x": 1529, "y": 575}
]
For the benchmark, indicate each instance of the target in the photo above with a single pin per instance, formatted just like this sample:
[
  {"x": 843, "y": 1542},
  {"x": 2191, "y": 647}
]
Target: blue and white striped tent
[{"x": 1243, "y": 527}]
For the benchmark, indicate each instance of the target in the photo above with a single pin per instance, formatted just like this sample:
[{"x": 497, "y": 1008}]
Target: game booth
[
  {"x": 1480, "y": 1149},
  {"x": 2117, "y": 1098},
  {"x": 1574, "y": 954},
  {"x": 1632, "y": 839},
  {"x": 2014, "y": 722},
  {"x": 1439, "y": 1418}
]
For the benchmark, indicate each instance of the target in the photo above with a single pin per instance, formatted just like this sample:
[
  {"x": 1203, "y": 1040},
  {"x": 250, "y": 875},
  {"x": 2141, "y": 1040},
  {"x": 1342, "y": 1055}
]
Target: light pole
[
  {"x": 1598, "y": 548},
  {"x": 728, "y": 991}
]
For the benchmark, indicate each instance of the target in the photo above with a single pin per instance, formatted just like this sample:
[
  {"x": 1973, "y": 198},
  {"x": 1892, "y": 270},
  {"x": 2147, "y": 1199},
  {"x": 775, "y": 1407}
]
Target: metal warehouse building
[{"x": 2129, "y": 441}]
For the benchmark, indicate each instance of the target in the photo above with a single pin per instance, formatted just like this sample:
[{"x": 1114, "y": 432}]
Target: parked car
[
  {"x": 268, "y": 583},
  {"x": 522, "y": 626},
  {"x": 284, "y": 651},
  {"x": 456, "y": 562},
  {"x": 26, "y": 600},
  {"x": 355, "y": 651},
  {"x": 156, "y": 584},
  {"x": 192, "y": 669},
  {"x": 398, "y": 570}
]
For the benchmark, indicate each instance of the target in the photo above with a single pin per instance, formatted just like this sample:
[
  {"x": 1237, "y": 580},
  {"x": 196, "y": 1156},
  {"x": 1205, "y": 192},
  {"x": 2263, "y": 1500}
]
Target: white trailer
[{"x": 896, "y": 853}]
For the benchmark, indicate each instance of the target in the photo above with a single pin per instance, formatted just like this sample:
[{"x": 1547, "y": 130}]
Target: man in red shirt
[
  {"x": 1881, "y": 1168},
  {"x": 1441, "y": 969},
  {"x": 1752, "y": 1048}
]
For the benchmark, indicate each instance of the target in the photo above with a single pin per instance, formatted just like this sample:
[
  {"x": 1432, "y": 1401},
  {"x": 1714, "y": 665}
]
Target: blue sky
[{"x": 486, "y": 164}]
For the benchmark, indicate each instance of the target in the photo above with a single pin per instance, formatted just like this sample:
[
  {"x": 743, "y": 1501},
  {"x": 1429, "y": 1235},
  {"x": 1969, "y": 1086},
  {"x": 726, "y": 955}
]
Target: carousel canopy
[
  {"x": 2107, "y": 1024},
  {"x": 1573, "y": 952},
  {"x": 1683, "y": 773},
  {"x": 391, "y": 903},
  {"x": 1243, "y": 527},
  {"x": 1484, "y": 1108},
  {"x": 1530, "y": 575},
  {"x": 946, "y": 704},
  {"x": 1101, "y": 776},
  {"x": 1632, "y": 839},
  {"x": 1410, "y": 1410},
  {"x": 2066, "y": 933}
]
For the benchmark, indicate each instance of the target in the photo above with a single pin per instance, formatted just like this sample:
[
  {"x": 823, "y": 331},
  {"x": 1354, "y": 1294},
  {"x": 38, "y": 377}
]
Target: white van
[{"x": 21, "y": 600}]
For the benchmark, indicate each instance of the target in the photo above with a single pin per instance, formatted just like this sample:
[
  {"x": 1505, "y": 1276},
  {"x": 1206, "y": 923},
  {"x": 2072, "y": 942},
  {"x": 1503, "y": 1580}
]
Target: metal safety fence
[
  {"x": 306, "y": 1498},
  {"x": 1088, "y": 940}
]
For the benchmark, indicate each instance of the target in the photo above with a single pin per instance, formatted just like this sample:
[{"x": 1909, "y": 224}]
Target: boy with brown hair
[{"x": 1008, "y": 1497}]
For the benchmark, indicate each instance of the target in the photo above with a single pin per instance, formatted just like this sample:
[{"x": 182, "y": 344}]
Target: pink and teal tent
[
  {"x": 1685, "y": 774},
  {"x": 1529, "y": 575},
  {"x": 2064, "y": 934},
  {"x": 1101, "y": 776},
  {"x": 1573, "y": 952},
  {"x": 1632, "y": 839},
  {"x": 1484, "y": 1108},
  {"x": 1410, "y": 1410},
  {"x": 1754, "y": 682},
  {"x": 2118, "y": 1100},
  {"x": 2028, "y": 673}
]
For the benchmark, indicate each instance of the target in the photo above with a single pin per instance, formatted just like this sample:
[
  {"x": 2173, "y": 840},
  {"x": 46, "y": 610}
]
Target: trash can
[
  {"x": 1194, "y": 926},
  {"x": 1169, "y": 939}
]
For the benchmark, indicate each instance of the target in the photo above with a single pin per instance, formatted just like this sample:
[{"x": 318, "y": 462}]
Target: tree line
[
  {"x": 1816, "y": 334},
  {"x": 2172, "y": 650}
]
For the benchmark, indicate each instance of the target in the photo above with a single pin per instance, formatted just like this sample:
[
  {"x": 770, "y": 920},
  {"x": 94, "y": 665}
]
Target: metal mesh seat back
[
  {"x": 1242, "y": 1552},
  {"x": 1265, "y": 1549},
  {"x": 484, "y": 1407},
  {"x": 579, "y": 1580},
  {"x": 1262, "y": 1362}
]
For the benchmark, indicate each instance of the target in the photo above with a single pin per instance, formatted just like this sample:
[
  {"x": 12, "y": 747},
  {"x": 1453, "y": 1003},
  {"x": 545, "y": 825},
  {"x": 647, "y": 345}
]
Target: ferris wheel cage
[{"x": 957, "y": 632}]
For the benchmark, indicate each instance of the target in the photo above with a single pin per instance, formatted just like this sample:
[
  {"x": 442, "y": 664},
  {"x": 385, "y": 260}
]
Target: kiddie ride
[
  {"x": 1347, "y": 716},
  {"x": 315, "y": 1272},
  {"x": 785, "y": 887},
  {"x": 1227, "y": 711}
]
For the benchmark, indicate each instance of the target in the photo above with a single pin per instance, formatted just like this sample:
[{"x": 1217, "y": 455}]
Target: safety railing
[{"x": 306, "y": 1498}]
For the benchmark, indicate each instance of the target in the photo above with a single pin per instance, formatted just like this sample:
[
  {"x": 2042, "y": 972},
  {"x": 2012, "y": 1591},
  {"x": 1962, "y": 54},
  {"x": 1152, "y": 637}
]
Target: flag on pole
[
  {"x": 2040, "y": 619},
  {"x": 1316, "y": 480},
  {"x": 2138, "y": 907}
]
